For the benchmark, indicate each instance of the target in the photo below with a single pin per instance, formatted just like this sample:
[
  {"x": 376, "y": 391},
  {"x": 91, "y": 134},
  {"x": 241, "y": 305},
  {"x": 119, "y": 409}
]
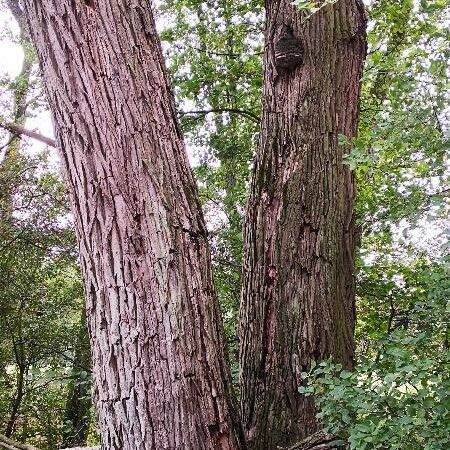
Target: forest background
[{"x": 398, "y": 395}]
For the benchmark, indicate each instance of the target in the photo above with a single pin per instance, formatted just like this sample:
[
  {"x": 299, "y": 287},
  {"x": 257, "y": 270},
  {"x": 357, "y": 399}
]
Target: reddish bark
[
  {"x": 160, "y": 376},
  {"x": 298, "y": 294}
]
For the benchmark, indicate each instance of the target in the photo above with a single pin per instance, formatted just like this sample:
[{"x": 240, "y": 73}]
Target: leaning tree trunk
[
  {"x": 157, "y": 348},
  {"x": 298, "y": 293}
]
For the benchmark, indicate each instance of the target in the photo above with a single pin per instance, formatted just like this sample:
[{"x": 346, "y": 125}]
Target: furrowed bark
[
  {"x": 297, "y": 301},
  {"x": 159, "y": 369}
]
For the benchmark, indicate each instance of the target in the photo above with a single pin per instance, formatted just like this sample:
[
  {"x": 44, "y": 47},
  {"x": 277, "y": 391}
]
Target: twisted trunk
[
  {"x": 297, "y": 301},
  {"x": 160, "y": 376}
]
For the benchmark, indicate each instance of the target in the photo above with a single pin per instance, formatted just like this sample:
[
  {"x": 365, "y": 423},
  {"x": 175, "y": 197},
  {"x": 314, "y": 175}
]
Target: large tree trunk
[
  {"x": 298, "y": 293},
  {"x": 160, "y": 376}
]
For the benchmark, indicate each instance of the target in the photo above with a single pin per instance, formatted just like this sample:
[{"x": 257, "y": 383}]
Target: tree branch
[
  {"x": 14, "y": 7},
  {"x": 13, "y": 445},
  {"x": 230, "y": 55},
  {"x": 242, "y": 112},
  {"x": 317, "y": 441},
  {"x": 19, "y": 130},
  {"x": 8, "y": 143}
]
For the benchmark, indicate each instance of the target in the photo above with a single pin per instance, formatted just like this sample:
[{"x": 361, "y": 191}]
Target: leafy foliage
[
  {"x": 400, "y": 397},
  {"x": 40, "y": 284},
  {"x": 40, "y": 300}
]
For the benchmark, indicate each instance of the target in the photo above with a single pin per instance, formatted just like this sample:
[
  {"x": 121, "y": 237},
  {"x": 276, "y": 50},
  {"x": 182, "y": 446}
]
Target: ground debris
[{"x": 317, "y": 441}]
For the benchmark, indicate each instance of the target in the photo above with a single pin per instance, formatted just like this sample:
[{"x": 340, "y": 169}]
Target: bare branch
[
  {"x": 230, "y": 55},
  {"x": 248, "y": 114},
  {"x": 8, "y": 143},
  {"x": 13, "y": 445},
  {"x": 19, "y": 130},
  {"x": 317, "y": 441}
]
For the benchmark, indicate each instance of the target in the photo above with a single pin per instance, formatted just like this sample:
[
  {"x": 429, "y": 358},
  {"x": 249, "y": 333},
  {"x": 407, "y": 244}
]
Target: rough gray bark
[
  {"x": 297, "y": 300},
  {"x": 160, "y": 376}
]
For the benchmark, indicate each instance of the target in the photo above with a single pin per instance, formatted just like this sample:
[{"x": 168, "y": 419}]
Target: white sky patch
[{"x": 11, "y": 57}]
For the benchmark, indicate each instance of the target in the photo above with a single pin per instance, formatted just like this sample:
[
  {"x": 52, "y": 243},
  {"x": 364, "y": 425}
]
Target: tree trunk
[
  {"x": 22, "y": 82},
  {"x": 77, "y": 415},
  {"x": 21, "y": 87},
  {"x": 16, "y": 402},
  {"x": 297, "y": 301},
  {"x": 160, "y": 376}
]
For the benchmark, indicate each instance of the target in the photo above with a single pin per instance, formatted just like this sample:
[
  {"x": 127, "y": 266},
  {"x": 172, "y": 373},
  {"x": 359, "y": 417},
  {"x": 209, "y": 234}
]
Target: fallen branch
[
  {"x": 253, "y": 117},
  {"x": 19, "y": 130},
  {"x": 13, "y": 445},
  {"x": 317, "y": 441}
]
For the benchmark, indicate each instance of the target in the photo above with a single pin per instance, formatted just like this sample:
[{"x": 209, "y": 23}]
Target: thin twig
[
  {"x": 230, "y": 55},
  {"x": 8, "y": 143},
  {"x": 242, "y": 112}
]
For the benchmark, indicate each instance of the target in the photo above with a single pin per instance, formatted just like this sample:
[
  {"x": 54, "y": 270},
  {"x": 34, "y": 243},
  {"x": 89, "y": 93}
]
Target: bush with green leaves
[{"x": 399, "y": 398}]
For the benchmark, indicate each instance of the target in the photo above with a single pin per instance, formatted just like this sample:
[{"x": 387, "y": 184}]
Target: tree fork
[{"x": 297, "y": 302}]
